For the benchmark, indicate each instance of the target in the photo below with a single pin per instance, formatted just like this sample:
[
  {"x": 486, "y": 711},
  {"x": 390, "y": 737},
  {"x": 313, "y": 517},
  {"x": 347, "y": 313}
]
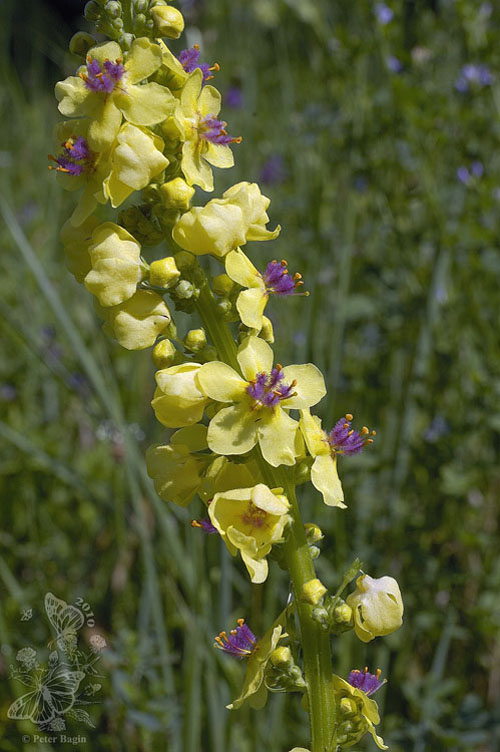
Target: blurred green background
[{"x": 375, "y": 132}]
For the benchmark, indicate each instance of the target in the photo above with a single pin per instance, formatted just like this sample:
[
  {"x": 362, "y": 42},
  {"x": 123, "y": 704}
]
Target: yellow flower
[
  {"x": 168, "y": 21},
  {"x": 136, "y": 158},
  {"x": 377, "y": 607},
  {"x": 176, "y": 469},
  {"x": 116, "y": 265},
  {"x": 324, "y": 475},
  {"x": 78, "y": 166},
  {"x": 250, "y": 520},
  {"x": 138, "y": 321},
  {"x": 260, "y": 400},
  {"x": 359, "y": 712},
  {"x": 225, "y": 223},
  {"x": 107, "y": 88},
  {"x": 76, "y": 242},
  {"x": 252, "y": 302},
  {"x": 205, "y": 140},
  {"x": 178, "y": 400},
  {"x": 254, "y": 689}
]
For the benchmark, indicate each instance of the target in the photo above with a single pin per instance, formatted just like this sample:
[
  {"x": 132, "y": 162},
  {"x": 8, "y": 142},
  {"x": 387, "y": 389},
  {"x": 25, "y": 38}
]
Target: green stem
[
  {"x": 127, "y": 15},
  {"x": 315, "y": 642}
]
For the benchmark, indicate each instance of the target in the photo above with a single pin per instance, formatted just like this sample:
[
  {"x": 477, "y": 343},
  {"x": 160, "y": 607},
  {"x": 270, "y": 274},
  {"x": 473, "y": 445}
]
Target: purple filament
[{"x": 240, "y": 642}]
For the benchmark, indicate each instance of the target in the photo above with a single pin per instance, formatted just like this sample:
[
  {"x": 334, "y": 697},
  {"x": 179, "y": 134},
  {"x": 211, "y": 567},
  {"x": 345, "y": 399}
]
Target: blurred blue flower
[
  {"x": 273, "y": 171},
  {"x": 8, "y": 392},
  {"x": 234, "y": 98},
  {"x": 477, "y": 169},
  {"x": 394, "y": 65},
  {"x": 475, "y": 74},
  {"x": 463, "y": 175},
  {"x": 383, "y": 13},
  {"x": 438, "y": 427}
]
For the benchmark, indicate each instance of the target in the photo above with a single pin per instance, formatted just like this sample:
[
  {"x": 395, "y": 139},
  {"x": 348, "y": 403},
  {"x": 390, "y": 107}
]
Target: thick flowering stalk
[{"x": 142, "y": 119}]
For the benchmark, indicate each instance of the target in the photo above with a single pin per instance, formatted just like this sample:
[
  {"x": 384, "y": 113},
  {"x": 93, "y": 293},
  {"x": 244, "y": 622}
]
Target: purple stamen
[
  {"x": 213, "y": 130},
  {"x": 189, "y": 59},
  {"x": 345, "y": 440},
  {"x": 240, "y": 643},
  {"x": 278, "y": 281},
  {"x": 267, "y": 389},
  {"x": 75, "y": 157},
  {"x": 368, "y": 683},
  {"x": 205, "y": 525},
  {"x": 105, "y": 78}
]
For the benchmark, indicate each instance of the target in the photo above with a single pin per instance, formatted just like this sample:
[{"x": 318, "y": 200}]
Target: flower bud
[
  {"x": 113, "y": 8},
  {"x": 342, "y": 614},
  {"x": 164, "y": 272},
  {"x": 92, "y": 11},
  {"x": 164, "y": 354},
  {"x": 168, "y": 21},
  {"x": 222, "y": 285},
  {"x": 377, "y": 607},
  {"x": 184, "y": 290},
  {"x": 140, "y": 6},
  {"x": 117, "y": 23},
  {"x": 313, "y": 533},
  {"x": 195, "y": 339},
  {"x": 224, "y": 307},
  {"x": 185, "y": 260},
  {"x": 176, "y": 194},
  {"x": 80, "y": 43},
  {"x": 282, "y": 657},
  {"x": 348, "y": 706},
  {"x": 313, "y": 591}
]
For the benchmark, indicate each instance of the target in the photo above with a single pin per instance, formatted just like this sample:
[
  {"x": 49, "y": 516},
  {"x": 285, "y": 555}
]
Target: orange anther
[{"x": 349, "y": 416}]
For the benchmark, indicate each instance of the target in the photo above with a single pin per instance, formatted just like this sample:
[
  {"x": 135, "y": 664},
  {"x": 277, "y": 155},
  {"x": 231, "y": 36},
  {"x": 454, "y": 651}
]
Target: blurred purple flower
[
  {"x": 8, "y": 393},
  {"x": 463, "y": 175},
  {"x": 383, "y": 13},
  {"x": 394, "y": 65},
  {"x": 477, "y": 169},
  {"x": 438, "y": 427},
  {"x": 234, "y": 98},
  {"x": 476, "y": 74},
  {"x": 485, "y": 10},
  {"x": 273, "y": 171}
]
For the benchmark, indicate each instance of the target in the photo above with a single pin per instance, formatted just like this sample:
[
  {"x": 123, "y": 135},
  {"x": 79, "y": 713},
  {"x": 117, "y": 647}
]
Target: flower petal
[
  {"x": 310, "y": 386},
  {"x": 325, "y": 479},
  {"x": 219, "y": 155},
  {"x": 254, "y": 356},
  {"x": 220, "y": 382},
  {"x": 232, "y": 430},
  {"x": 209, "y": 101},
  {"x": 144, "y": 58},
  {"x": 104, "y": 126},
  {"x": 316, "y": 438},
  {"x": 241, "y": 270},
  {"x": 190, "y": 93},
  {"x": 196, "y": 169},
  {"x": 147, "y": 104},
  {"x": 251, "y": 304},
  {"x": 277, "y": 438},
  {"x": 257, "y": 568}
]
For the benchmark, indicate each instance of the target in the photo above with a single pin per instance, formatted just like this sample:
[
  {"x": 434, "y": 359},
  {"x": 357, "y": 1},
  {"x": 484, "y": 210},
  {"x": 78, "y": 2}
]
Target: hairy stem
[{"x": 315, "y": 642}]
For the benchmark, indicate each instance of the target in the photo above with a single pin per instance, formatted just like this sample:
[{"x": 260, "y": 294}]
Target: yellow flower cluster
[{"x": 140, "y": 119}]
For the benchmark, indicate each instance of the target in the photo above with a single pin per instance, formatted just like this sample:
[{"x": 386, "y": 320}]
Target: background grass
[{"x": 360, "y": 156}]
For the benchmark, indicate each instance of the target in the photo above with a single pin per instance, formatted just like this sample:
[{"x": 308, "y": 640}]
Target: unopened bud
[
  {"x": 342, "y": 614},
  {"x": 168, "y": 21},
  {"x": 92, "y": 11},
  {"x": 117, "y": 23},
  {"x": 164, "y": 354},
  {"x": 282, "y": 657},
  {"x": 176, "y": 194},
  {"x": 222, "y": 284},
  {"x": 313, "y": 591},
  {"x": 195, "y": 339},
  {"x": 224, "y": 307},
  {"x": 113, "y": 8},
  {"x": 80, "y": 43},
  {"x": 184, "y": 290},
  {"x": 313, "y": 532},
  {"x": 164, "y": 272},
  {"x": 185, "y": 260},
  {"x": 140, "y": 6}
]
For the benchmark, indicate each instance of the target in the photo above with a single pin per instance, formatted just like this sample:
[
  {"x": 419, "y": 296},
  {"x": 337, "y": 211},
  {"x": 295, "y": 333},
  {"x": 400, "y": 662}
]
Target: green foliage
[{"x": 402, "y": 261}]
